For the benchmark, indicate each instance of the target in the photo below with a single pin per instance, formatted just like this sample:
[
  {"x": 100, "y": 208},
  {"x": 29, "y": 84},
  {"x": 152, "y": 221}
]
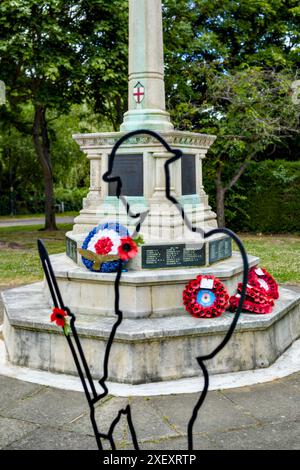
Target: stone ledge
[
  {"x": 144, "y": 294},
  {"x": 64, "y": 267},
  {"x": 35, "y": 315},
  {"x": 146, "y": 350},
  {"x": 174, "y": 138},
  {"x": 287, "y": 364}
]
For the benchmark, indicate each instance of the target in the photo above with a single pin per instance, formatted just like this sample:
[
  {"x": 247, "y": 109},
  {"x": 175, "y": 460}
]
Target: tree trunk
[
  {"x": 42, "y": 147},
  {"x": 221, "y": 189},
  {"x": 220, "y": 198}
]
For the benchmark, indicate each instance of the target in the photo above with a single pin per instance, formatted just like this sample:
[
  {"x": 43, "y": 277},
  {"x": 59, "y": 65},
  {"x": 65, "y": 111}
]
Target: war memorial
[{"x": 157, "y": 340}]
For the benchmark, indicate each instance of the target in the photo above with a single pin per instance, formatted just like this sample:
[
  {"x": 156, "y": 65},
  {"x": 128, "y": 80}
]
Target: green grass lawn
[
  {"x": 10, "y": 218},
  {"x": 19, "y": 261},
  {"x": 279, "y": 254}
]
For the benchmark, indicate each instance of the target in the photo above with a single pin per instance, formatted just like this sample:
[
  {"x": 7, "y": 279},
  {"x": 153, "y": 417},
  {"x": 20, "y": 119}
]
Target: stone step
[
  {"x": 143, "y": 294},
  {"x": 148, "y": 349}
]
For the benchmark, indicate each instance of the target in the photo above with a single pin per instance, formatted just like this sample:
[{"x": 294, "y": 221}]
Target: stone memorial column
[{"x": 146, "y": 88}]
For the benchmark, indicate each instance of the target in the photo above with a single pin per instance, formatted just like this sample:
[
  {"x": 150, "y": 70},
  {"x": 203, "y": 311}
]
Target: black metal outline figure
[{"x": 92, "y": 395}]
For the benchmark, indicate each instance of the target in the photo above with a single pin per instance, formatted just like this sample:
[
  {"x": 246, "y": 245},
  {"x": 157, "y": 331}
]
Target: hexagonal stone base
[{"x": 146, "y": 349}]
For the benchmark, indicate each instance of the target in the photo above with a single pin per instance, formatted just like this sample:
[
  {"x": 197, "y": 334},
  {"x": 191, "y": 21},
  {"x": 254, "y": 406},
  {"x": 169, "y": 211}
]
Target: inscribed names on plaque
[
  {"x": 172, "y": 256},
  {"x": 71, "y": 249},
  {"x": 130, "y": 169},
  {"x": 220, "y": 249}
]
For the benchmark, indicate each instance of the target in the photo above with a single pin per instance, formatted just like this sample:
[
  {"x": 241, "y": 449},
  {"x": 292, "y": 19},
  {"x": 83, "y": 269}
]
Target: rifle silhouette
[{"x": 92, "y": 395}]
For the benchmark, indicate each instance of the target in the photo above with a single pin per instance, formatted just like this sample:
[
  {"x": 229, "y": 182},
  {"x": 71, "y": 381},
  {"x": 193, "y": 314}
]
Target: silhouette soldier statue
[{"x": 94, "y": 397}]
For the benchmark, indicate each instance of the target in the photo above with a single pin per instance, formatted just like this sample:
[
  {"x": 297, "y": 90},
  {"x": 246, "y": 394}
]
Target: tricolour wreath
[
  {"x": 107, "y": 245},
  {"x": 205, "y": 297}
]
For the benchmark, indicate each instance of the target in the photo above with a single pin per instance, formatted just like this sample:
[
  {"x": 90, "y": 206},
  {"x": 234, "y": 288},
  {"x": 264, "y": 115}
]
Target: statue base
[{"x": 157, "y": 340}]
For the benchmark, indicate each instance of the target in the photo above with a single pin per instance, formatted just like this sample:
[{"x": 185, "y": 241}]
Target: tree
[
  {"x": 227, "y": 62},
  {"x": 51, "y": 53},
  {"x": 250, "y": 111}
]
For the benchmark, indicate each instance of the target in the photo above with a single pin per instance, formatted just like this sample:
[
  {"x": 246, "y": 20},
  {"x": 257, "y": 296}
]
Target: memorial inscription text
[{"x": 171, "y": 256}]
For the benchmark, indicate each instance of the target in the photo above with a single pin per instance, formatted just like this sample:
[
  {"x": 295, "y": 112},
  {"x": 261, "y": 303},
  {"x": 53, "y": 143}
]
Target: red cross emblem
[{"x": 138, "y": 92}]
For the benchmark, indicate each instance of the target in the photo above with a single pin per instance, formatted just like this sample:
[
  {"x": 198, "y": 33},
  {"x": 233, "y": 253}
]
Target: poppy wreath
[
  {"x": 256, "y": 300},
  {"x": 260, "y": 278},
  {"x": 203, "y": 302},
  {"x": 106, "y": 246}
]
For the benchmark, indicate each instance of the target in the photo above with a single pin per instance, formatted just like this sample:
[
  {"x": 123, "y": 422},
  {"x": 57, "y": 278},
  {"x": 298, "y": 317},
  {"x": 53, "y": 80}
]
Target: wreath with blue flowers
[{"x": 108, "y": 245}]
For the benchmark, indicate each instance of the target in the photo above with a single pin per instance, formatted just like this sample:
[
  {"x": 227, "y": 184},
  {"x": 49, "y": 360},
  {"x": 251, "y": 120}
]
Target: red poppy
[
  {"x": 58, "y": 315},
  {"x": 103, "y": 246},
  {"x": 128, "y": 249}
]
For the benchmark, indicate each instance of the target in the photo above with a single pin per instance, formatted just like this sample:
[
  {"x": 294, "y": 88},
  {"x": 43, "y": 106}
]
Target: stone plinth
[
  {"x": 140, "y": 163},
  {"x": 143, "y": 294},
  {"x": 148, "y": 349}
]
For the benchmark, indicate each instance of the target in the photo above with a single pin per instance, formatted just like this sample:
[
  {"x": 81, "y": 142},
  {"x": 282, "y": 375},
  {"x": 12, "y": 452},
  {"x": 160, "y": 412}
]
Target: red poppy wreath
[
  {"x": 205, "y": 297},
  {"x": 256, "y": 301},
  {"x": 260, "y": 278}
]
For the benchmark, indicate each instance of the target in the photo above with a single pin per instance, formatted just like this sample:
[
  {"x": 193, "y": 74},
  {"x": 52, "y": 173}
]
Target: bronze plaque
[
  {"x": 130, "y": 169},
  {"x": 188, "y": 175}
]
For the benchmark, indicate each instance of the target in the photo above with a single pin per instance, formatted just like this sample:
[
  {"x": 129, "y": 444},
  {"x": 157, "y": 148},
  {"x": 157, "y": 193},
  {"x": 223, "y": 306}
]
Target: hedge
[
  {"x": 34, "y": 202},
  {"x": 266, "y": 199}
]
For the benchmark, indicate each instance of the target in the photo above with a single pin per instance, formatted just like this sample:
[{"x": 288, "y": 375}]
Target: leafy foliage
[
  {"x": 230, "y": 68},
  {"x": 266, "y": 199},
  {"x": 54, "y": 54}
]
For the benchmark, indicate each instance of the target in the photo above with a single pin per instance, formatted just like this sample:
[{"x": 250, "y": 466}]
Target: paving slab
[
  {"x": 293, "y": 379},
  {"x": 149, "y": 423},
  {"x": 12, "y": 430},
  {"x": 180, "y": 443},
  {"x": 259, "y": 417},
  {"x": 48, "y": 407},
  {"x": 272, "y": 402},
  {"x": 217, "y": 412},
  {"x": 273, "y": 436},
  {"x": 105, "y": 413},
  {"x": 53, "y": 439},
  {"x": 14, "y": 392}
]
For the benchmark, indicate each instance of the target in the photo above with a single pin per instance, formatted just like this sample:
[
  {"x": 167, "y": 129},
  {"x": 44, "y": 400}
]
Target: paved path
[
  {"x": 33, "y": 221},
  {"x": 259, "y": 417}
]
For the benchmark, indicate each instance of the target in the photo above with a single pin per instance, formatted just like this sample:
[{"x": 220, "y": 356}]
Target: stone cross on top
[{"x": 146, "y": 86}]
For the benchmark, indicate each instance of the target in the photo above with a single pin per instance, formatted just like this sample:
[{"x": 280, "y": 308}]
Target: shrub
[
  {"x": 266, "y": 198},
  {"x": 72, "y": 198}
]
